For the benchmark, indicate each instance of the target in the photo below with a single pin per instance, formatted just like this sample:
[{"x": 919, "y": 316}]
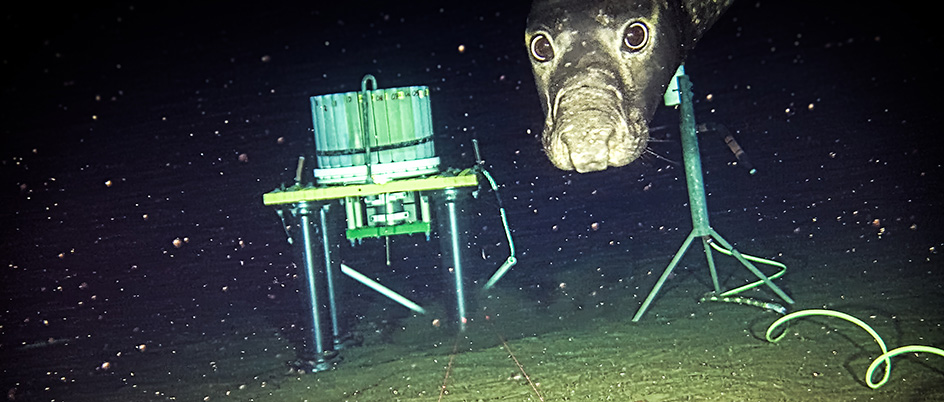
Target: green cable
[
  {"x": 896, "y": 352},
  {"x": 501, "y": 210},
  {"x": 747, "y": 301},
  {"x": 511, "y": 260},
  {"x": 884, "y": 358},
  {"x": 783, "y": 270},
  {"x": 727, "y": 296}
]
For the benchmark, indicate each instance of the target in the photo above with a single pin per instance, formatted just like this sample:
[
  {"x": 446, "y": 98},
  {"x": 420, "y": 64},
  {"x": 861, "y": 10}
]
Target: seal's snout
[
  {"x": 591, "y": 152},
  {"x": 583, "y": 146},
  {"x": 589, "y": 131}
]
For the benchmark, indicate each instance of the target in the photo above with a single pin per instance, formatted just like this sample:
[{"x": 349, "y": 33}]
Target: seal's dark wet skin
[{"x": 601, "y": 68}]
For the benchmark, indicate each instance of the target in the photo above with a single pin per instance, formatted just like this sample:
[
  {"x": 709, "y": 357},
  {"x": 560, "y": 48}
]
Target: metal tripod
[{"x": 696, "y": 197}]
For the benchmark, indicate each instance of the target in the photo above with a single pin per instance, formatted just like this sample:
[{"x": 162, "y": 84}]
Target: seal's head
[{"x": 601, "y": 68}]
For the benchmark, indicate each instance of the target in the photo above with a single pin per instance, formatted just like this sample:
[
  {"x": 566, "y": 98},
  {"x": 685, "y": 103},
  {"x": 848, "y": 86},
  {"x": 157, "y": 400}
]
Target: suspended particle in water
[
  {"x": 461, "y": 48},
  {"x": 243, "y": 157}
]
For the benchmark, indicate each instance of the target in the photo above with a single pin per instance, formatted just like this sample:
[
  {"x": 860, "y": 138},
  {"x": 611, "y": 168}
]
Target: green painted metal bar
[
  {"x": 664, "y": 277},
  {"x": 711, "y": 263},
  {"x": 380, "y": 231},
  {"x": 692, "y": 158}
]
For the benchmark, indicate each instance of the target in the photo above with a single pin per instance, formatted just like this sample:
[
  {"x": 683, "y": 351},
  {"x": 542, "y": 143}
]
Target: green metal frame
[
  {"x": 380, "y": 231},
  {"x": 696, "y": 197}
]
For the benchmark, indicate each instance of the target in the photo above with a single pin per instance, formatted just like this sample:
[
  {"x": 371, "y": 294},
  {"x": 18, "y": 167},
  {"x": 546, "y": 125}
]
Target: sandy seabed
[{"x": 577, "y": 342}]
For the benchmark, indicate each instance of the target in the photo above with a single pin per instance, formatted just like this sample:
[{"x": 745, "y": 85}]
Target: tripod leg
[
  {"x": 711, "y": 264},
  {"x": 664, "y": 277}
]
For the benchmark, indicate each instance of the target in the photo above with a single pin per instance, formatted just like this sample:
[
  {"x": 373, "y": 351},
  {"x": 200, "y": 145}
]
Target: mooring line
[
  {"x": 520, "y": 367},
  {"x": 455, "y": 351},
  {"x": 452, "y": 357}
]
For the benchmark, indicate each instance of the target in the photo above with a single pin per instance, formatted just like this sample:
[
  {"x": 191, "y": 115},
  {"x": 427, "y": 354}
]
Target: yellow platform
[{"x": 465, "y": 178}]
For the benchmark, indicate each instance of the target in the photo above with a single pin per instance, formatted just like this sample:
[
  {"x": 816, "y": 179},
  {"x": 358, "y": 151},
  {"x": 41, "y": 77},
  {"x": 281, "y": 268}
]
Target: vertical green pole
[{"x": 696, "y": 183}]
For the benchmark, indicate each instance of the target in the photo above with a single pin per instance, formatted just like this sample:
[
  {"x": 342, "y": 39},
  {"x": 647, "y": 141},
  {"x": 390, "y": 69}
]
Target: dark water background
[{"x": 123, "y": 125}]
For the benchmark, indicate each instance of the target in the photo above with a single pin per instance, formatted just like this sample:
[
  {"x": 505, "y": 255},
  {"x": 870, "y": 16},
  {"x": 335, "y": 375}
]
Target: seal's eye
[
  {"x": 541, "y": 48},
  {"x": 635, "y": 36}
]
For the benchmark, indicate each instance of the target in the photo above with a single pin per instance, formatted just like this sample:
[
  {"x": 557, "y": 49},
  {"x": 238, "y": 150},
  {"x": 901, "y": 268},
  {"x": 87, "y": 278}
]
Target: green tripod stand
[{"x": 696, "y": 197}]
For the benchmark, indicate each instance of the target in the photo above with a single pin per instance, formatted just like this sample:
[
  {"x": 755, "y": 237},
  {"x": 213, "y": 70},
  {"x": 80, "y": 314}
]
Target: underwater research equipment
[
  {"x": 679, "y": 93},
  {"x": 377, "y": 176}
]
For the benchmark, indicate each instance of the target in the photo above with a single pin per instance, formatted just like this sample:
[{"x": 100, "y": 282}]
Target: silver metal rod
[
  {"x": 368, "y": 119},
  {"x": 329, "y": 272},
  {"x": 456, "y": 256},
  {"x": 346, "y": 270},
  {"x": 316, "y": 338}
]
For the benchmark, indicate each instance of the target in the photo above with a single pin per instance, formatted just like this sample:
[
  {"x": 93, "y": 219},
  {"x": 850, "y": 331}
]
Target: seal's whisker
[
  {"x": 657, "y": 156},
  {"x": 659, "y": 128},
  {"x": 659, "y": 140}
]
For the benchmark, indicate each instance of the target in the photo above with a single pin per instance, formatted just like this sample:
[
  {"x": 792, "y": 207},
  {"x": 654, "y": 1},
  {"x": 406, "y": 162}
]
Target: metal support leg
[
  {"x": 664, "y": 277},
  {"x": 454, "y": 264},
  {"x": 711, "y": 263},
  {"x": 314, "y": 359},
  {"x": 329, "y": 273}
]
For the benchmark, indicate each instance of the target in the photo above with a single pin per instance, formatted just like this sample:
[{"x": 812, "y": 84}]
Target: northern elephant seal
[{"x": 601, "y": 67}]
